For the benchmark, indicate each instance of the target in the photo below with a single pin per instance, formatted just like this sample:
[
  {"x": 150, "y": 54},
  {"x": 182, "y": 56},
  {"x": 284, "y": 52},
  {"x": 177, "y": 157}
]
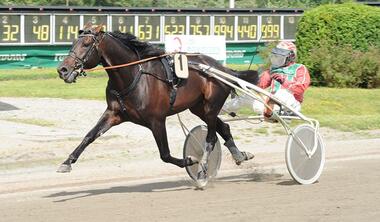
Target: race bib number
[{"x": 180, "y": 66}]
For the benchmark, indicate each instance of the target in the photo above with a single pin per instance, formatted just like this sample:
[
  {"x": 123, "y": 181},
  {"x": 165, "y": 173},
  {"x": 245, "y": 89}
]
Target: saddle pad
[{"x": 180, "y": 66}]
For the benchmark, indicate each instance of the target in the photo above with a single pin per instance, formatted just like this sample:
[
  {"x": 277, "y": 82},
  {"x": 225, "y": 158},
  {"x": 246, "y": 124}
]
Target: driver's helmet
[{"x": 283, "y": 54}]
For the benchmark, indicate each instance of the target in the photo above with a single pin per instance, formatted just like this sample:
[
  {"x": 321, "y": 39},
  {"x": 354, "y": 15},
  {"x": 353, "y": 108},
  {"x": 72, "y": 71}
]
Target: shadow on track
[
  {"x": 164, "y": 186},
  {"x": 252, "y": 177},
  {"x": 141, "y": 188},
  {"x": 7, "y": 107}
]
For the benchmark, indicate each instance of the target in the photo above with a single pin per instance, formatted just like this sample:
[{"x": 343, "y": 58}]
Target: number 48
[{"x": 42, "y": 32}]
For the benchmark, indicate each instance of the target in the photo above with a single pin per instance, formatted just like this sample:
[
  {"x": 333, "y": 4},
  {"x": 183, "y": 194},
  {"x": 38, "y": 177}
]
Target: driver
[{"x": 287, "y": 79}]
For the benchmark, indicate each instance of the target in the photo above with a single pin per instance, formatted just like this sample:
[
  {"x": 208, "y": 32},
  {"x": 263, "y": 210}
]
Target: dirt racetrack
[{"x": 121, "y": 178}]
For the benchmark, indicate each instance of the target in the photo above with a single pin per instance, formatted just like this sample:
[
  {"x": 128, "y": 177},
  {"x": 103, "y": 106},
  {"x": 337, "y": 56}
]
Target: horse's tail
[{"x": 251, "y": 76}]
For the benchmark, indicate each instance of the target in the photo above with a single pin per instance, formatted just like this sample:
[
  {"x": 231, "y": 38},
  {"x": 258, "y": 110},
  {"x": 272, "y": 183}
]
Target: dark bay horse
[{"x": 141, "y": 93}]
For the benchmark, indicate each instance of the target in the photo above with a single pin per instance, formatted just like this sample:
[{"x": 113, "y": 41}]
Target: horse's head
[{"x": 84, "y": 54}]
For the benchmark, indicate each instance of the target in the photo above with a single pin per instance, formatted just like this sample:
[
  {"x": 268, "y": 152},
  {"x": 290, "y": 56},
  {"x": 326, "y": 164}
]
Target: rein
[{"x": 127, "y": 64}]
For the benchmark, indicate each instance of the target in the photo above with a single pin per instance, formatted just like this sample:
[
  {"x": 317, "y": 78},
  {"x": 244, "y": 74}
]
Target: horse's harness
[
  {"x": 79, "y": 62},
  {"x": 79, "y": 65}
]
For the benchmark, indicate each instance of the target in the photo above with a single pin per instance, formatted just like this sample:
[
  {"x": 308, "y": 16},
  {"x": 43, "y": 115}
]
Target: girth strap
[
  {"x": 168, "y": 70},
  {"x": 132, "y": 86},
  {"x": 119, "y": 99},
  {"x": 121, "y": 95}
]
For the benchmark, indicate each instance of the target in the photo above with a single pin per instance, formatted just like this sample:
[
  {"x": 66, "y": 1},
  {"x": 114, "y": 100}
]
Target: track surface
[
  {"x": 121, "y": 178},
  {"x": 348, "y": 191}
]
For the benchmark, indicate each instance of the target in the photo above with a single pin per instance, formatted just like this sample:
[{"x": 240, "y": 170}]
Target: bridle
[{"x": 79, "y": 62}]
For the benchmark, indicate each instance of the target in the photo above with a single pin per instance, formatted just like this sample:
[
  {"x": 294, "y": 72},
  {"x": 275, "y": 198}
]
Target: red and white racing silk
[{"x": 296, "y": 80}]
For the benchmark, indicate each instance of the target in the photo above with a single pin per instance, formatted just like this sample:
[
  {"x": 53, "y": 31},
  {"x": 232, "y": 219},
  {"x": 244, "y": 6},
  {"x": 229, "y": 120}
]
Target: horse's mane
[{"x": 144, "y": 49}]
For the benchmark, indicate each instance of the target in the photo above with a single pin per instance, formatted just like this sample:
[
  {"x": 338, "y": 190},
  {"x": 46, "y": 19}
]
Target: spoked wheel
[
  {"x": 304, "y": 168},
  {"x": 194, "y": 145}
]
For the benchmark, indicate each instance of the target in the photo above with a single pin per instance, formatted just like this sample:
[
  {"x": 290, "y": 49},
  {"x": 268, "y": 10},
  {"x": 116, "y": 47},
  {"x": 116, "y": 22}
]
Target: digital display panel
[
  {"x": 148, "y": 28},
  {"x": 247, "y": 28},
  {"x": 270, "y": 27},
  {"x": 200, "y": 25},
  {"x": 123, "y": 23},
  {"x": 96, "y": 20},
  {"x": 37, "y": 28},
  {"x": 175, "y": 25},
  {"x": 290, "y": 26},
  {"x": 66, "y": 28},
  {"x": 225, "y": 25},
  {"x": 10, "y": 28}
]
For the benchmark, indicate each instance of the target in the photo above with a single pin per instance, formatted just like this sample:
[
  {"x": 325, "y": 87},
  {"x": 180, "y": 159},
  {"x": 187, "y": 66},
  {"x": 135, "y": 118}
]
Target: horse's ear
[
  {"x": 99, "y": 28},
  {"x": 87, "y": 26}
]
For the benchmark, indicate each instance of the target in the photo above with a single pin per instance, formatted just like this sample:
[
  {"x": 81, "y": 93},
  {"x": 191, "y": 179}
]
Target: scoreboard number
[
  {"x": 37, "y": 28},
  {"x": 10, "y": 28},
  {"x": 225, "y": 25},
  {"x": 148, "y": 28},
  {"x": 200, "y": 25},
  {"x": 270, "y": 27},
  {"x": 175, "y": 25},
  {"x": 66, "y": 28},
  {"x": 247, "y": 28},
  {"x": 123, "y": 23}
]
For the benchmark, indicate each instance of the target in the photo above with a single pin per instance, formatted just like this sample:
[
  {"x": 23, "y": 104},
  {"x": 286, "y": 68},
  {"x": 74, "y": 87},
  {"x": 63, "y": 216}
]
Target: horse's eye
[{"x": 80, "y": 32}]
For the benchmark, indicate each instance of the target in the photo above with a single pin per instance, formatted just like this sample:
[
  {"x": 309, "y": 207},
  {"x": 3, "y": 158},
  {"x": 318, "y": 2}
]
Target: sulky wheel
[
  {"x": 303, "y": 168},
  {"x": 194, "y": 145}
]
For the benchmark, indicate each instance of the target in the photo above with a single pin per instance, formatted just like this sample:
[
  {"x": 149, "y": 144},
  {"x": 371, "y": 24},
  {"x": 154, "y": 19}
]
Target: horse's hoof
[
  {"x": 201, "y": 184},
  {"x": 191, "y": 160},
  {"x": 64, "y": 168},
  {"x": 202, "y": 176},
  {"x": 243, "y": 157}
]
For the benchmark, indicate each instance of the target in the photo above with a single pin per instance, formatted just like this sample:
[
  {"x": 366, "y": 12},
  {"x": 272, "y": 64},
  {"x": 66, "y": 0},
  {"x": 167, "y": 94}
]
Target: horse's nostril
[{"x": 63, "y": 70}]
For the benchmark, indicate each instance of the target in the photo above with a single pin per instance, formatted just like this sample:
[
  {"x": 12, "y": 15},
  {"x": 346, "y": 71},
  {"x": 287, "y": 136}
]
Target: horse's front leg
[
  {"x": 106, "y": 121},
  {"x": 158, "y": 129}
]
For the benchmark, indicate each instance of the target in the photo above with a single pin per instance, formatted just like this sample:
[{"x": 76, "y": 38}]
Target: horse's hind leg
[
  {"x": 105, "y": 122},
  {"x": 158, "y": 129},
  {"x": 208, "y": 113},
  {"x": 224, "y": 130}
]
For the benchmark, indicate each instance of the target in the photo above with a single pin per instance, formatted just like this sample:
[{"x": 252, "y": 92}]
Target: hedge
[{"x": 346, "y": 26}]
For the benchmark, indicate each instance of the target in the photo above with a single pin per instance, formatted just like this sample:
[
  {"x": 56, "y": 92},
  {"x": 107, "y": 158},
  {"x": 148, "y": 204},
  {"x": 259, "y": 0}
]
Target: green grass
[
  {"x": 46, "y": 83},
  {"x": 343, "y": 109},
  {"x": 29, "y": 74},
  {"x": 37, "y": 122},
  {"x": 262, "y": 130}
]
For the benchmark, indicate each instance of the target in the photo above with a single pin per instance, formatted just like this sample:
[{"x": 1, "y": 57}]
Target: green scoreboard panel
[
  {"x": 37, "y": 28},
  {"x": 174, "y": 25},
  {"x": 66, "y": 28},
  {"x": 96, "y": 20},
  {"x": 247, "y": 28},
  {"x": 290, "y": 26},
  {"x": 123, "y": 23},
  {"x": 10, "y": 28},
  {"x": 148, "y": 28},
  {"x": 200, "y": 25},
  {"x": 270, "y": 27},
  {"x": 225, "y": 25},
  {"x": 62, "y": 25}
]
